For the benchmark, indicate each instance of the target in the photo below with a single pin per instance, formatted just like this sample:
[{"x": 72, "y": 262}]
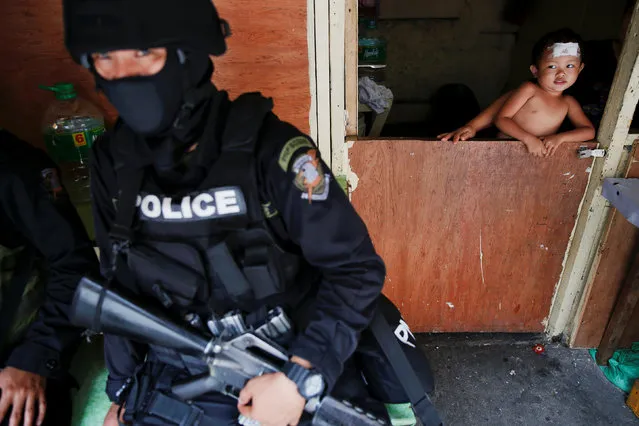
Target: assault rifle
[{"x": 231, "y": 361}]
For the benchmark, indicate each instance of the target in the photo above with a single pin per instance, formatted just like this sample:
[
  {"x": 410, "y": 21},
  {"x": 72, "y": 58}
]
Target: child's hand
[
  {"x": 536, "y": 147},
  {"x": 461, "y": 134},
  {"x": 552, "y": 142}
]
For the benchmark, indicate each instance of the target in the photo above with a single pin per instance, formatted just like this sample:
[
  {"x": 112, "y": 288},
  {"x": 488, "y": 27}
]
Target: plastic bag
[{"x": 623, "y": 368}]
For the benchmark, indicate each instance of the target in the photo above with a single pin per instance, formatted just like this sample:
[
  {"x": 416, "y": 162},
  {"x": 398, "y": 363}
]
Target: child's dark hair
[{"x": 564, "y": 35}]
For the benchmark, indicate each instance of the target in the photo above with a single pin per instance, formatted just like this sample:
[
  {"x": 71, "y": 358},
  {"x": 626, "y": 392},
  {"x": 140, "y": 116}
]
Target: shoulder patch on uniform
[
  {"x": 290, "y": 148},
  {"x": 310, "y": 177}
]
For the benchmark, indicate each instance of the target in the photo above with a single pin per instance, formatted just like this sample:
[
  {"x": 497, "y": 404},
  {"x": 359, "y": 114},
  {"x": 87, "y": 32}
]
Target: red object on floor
[{"x": 539, "y": 349}]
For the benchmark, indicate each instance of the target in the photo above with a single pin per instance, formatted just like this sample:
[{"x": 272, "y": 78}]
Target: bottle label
[
  {"x": 79, "y": 139},
  {"x": 372, "y": 52},
  {"x": 71, "y": 147}
]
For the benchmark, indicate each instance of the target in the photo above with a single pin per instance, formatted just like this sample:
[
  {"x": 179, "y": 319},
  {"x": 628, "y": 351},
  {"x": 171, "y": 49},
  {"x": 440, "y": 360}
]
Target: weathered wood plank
[{"x": 614, "y": 263}]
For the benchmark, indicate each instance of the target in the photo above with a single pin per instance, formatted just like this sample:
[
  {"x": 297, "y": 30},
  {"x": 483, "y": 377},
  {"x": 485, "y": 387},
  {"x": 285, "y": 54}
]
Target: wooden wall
[
  {"x": 267, "y": 52},
  {"x": 473, "y": 234}
]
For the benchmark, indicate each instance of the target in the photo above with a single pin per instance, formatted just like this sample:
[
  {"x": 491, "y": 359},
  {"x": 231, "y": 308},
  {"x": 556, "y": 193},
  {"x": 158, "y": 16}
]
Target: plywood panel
[
  {"x": 267, "y": 52},
  {"x": 473, "y": 234},
  {"x": 614, "y": 264}
]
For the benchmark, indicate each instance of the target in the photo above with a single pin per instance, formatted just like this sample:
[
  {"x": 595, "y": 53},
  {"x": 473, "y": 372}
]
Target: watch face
[{"x": 313, "y": 386}]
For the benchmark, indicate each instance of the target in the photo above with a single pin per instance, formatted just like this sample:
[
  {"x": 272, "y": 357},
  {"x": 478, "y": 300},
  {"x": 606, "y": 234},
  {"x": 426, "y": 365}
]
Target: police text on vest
[{"x": 210, "y": 204}]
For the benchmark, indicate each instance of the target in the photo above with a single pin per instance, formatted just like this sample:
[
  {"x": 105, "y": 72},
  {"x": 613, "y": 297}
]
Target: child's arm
[
  {"x": 483, "y": 120},
  {"x": 584, "y": 130},
  {"x": 506, "y": 124}
]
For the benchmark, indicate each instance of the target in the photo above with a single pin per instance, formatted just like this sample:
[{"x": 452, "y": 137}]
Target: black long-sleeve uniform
[
  {"x": 35, "y": 210},
  {"x": 330, "y": 234}
]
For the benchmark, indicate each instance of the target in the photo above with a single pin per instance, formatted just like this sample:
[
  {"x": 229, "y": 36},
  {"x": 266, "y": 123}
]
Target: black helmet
[{"x": 105, "y": 25}]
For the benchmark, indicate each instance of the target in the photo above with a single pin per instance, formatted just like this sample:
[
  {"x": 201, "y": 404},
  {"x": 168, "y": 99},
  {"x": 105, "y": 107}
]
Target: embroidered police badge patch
[
  {"x": 310, "y": 177},
  {"x": 51, "y": 182},
  {"x": 291, "y": 147}
]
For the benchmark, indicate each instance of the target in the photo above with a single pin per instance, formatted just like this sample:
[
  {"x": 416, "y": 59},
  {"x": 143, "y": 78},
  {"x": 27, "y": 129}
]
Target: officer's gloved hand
[
  {"x": 22, "y": 391},
  {"x": 274, "y": 400}
]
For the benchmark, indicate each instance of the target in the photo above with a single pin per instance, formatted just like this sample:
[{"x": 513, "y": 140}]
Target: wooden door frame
[
  {"x": 350, "y": 64},
  {"x": 327, "y": 54},
  {"x": 583, "y": 254}
]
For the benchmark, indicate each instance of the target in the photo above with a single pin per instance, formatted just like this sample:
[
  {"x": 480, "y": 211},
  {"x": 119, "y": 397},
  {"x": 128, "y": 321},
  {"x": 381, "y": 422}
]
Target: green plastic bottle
[
  {"x": 372, "y": 45},
  {"x": 70, "y": 126}
]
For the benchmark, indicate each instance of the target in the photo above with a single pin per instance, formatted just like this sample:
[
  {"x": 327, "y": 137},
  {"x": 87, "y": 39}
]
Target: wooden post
[
  {"x": 312, "y": 72},
  {"x": 322, "y": 72},
  {"x": 338, "y": 107},
  {"x": 350, "y": 56},
  {"x": 624, "y": 308},
  {"x": 594, "y": 213}
]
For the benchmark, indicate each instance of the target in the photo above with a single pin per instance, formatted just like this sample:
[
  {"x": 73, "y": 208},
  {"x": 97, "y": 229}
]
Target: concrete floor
[{"x": 497, "y": 380}]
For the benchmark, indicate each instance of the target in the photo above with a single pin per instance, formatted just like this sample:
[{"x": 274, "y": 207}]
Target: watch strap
[{"x": 296, "y": 373}]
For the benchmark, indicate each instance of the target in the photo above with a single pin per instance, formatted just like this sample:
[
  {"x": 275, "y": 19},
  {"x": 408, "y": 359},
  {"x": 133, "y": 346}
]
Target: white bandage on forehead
[{"x": 565, "y": 49}]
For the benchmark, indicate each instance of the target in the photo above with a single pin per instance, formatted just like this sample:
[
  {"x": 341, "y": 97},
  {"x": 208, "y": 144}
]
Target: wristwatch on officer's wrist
[{"x": 310, "y": 383}]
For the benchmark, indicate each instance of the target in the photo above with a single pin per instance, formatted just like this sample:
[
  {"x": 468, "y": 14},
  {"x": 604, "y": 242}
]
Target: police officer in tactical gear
[
  {"x": 209, "y": 206},
  {"x": 44, "y": 251}
]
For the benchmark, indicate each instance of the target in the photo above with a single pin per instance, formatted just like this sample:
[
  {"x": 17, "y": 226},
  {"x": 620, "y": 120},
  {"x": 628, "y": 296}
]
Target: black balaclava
[
  {"x": 149, "y": 105},
  {"x": 182, "y": 92}
]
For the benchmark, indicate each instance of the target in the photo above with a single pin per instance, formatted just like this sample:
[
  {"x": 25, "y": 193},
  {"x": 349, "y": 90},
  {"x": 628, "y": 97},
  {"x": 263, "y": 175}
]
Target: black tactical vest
[{"x": 208, "y": 250}]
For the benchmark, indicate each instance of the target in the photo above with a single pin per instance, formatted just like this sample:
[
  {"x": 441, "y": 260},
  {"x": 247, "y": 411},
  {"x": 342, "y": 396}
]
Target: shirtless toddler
[{"x": 534, "y": 112}]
